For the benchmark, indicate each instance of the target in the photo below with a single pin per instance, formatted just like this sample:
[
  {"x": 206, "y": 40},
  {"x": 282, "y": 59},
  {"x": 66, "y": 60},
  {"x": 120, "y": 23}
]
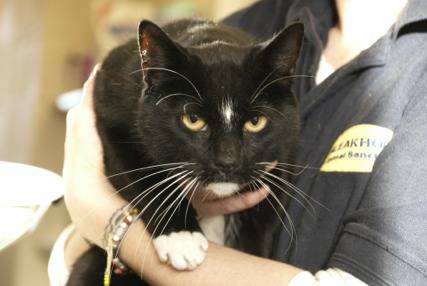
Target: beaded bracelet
[{"x": 114, "y": 233}]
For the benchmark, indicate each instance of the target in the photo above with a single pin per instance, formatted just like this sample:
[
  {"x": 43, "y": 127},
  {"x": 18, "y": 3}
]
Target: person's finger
[
  {"x": 232, "y": 204},
  {"x": 82, "y": 144},
  {"x": 87, "y": 99},
  {"x": 69, "y": 121}
]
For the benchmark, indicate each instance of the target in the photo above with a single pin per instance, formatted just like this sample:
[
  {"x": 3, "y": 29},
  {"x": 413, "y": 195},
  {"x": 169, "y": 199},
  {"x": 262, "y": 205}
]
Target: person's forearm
[{"x": 222, "y": 266}]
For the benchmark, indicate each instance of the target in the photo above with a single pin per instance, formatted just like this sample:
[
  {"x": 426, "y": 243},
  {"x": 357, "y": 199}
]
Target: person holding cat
[{"x": 362, "y": 134}]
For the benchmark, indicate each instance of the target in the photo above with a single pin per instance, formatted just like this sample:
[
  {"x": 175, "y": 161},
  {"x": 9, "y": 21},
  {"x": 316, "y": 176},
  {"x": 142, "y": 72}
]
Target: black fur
[{"x": 137, "y": 130}]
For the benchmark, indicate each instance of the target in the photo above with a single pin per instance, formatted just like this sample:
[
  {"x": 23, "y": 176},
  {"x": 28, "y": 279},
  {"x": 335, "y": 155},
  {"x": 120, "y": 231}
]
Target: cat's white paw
[{"x": 183, "y": 250}]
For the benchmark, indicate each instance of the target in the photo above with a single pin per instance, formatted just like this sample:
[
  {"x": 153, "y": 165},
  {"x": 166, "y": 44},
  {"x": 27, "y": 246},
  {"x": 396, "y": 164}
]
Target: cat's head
[{"x": 225, "y": 109}]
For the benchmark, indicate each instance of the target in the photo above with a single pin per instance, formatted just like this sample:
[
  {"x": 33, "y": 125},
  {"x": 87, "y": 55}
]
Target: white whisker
[
  {"x": 191, "y": 197},
  {"x": 174, "y": 72},
  {"x": 271, "y": 108},
  {"x": 150, "y": 167},
  {"x": 116, "y": 193},
  {"x": 162, "y": 182},
  {"x": 264, "y": 80},
  {"x": 312, "y": 211},
  {"x": 290, "y": 172},
  {"x": 274, "y": 81},
  {"x": 147, "y": 176},
  {"x": 289, "y": 164},
  {"x": 175, "y": 94},
  {"x": 165, "y": 210},
  {"x": 147, "y": 192},
  {"x": 292, "y": 230},
  {"x": 157, "y": 196},
  {"x": 182, "y": 195},
  {"x": 296, "y": 189},
  {"x": 163, "y": 216}
]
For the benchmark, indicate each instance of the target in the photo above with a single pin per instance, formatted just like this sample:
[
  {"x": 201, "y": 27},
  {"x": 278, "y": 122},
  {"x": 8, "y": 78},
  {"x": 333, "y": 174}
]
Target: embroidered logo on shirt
[{"x": 357, "y": 148}]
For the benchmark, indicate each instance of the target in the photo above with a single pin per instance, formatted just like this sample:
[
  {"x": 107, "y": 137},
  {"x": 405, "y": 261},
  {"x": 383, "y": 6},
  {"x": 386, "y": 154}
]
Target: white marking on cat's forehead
[{"x": 227, "y": 112}]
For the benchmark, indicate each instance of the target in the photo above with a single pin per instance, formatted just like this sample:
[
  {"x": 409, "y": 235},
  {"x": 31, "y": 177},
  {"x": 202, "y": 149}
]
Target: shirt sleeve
[
  {"x": 384, "y": 242},
  {"x": 57, "y": 269},
  {"x": 329, "y": 277}
]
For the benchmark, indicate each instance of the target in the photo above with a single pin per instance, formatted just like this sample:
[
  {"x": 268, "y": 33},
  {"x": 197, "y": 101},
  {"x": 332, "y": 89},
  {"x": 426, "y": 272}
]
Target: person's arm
[{"x": 222, "y": 266}]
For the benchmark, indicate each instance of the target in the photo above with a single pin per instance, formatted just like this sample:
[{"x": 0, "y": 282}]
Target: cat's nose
[
  {"x": 227, "y": 154},
  {"x": 226, "y": 164}
]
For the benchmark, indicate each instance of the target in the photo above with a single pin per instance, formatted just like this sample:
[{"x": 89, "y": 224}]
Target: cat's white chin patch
[
  {"x": 183, "y": 250},
  {"x": 222, "y": 189}
]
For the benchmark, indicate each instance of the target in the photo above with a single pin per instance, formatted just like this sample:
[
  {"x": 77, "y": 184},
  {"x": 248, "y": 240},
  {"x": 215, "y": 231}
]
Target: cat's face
[{"x": 225, "y": 109}]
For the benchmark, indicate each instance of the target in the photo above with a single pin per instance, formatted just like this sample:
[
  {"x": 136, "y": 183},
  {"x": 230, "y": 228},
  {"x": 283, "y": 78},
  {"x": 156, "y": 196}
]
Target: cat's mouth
[{"x": 219, "y": 190}]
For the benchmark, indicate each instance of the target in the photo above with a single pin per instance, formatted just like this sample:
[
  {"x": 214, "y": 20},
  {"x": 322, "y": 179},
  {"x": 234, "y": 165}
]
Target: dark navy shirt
[{"x": 364, "y": 137}]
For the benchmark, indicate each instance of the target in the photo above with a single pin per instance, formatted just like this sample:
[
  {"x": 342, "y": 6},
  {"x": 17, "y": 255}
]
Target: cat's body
[{"x": 212, "y": 75}]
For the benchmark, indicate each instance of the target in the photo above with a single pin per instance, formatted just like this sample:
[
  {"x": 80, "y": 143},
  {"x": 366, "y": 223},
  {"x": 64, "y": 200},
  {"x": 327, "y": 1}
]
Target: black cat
[{"x": 196, "y": 106}]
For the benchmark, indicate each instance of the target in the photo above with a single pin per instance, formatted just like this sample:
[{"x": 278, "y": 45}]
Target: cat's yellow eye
[
  {"x": 256, "y": 124},
  {"x": 194, "y": 122}
]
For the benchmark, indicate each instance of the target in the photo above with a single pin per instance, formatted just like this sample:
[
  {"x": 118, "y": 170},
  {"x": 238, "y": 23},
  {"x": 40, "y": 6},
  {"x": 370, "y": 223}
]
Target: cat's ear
[
  {"x": 282, "y": 51},
  {"x": 156, "y": 49}
]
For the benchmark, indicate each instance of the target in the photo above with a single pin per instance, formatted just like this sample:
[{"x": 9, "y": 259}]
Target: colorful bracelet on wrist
[{"x": 116, "y": 229}]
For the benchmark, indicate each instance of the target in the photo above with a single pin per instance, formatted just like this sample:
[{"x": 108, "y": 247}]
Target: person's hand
[
  {"x": 89, "y": 196},
  {"x": 208, "y": 206}
]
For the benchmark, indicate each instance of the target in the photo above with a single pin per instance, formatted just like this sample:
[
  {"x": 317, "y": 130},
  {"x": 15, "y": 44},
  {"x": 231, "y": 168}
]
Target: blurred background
[{"x": 47, "y": 49}]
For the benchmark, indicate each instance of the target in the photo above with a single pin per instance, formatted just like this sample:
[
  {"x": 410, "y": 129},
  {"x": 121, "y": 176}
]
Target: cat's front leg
[{"x": 182, "y": 244}]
